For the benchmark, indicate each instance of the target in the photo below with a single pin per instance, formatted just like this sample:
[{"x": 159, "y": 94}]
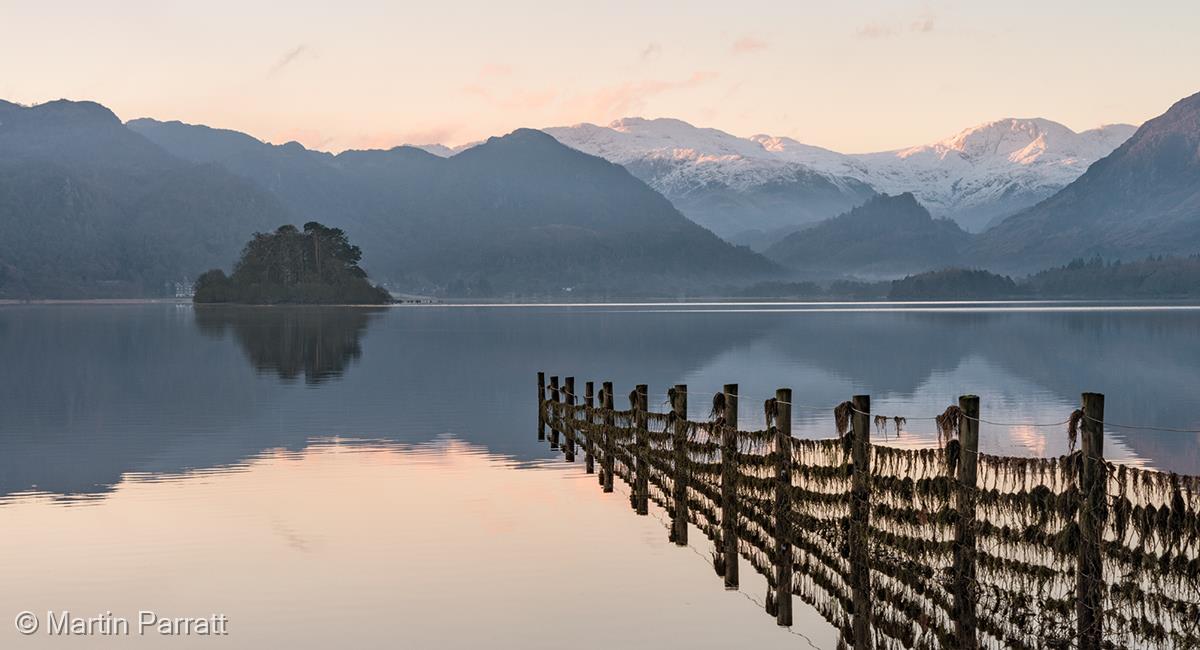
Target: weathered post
[
  {"x": 541, "y": 406},
  {"x": 554, "y": 412},
  {"x": 589, "y": 459},
  {"x": 679, "y": 482},
  {"x": 729, "y": 515},
  {"x": 1089, "y": 585},
  {"x": 860, "y": 519},
  {"x": 606, "y": 403},
  {"x": 783, "y": 506},
  {"x": 965, "y": 593},
  {"x": 569, "y": 421},
  {"x": 641, "y": 491}
]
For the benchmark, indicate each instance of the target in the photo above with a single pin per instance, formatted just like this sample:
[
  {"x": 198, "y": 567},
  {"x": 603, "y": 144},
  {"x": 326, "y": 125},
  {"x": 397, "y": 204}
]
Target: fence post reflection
[
  {"x": 541, "y": 384},
  {"x": 860, "y": 520},
  {"x": 569, "y": 428},
  {"x": 965, "y": 592},
  {"x": 589, "y": 448},
  {"x": 729, "y": 509}
]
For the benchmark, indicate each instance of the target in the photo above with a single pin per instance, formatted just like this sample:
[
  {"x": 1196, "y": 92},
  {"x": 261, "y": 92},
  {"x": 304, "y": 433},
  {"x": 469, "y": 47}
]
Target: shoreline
[
  {"x": 4, "y": 302},
  {"x": 1079, "y": 303}
]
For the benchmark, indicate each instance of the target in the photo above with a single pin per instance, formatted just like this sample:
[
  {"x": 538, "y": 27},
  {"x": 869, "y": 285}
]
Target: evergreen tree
[{"x": 318, "y": 265}]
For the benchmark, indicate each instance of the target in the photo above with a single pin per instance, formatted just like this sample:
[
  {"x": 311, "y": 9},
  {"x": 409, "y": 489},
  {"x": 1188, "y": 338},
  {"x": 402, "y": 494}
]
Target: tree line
[{"x": 316, "y": 265}]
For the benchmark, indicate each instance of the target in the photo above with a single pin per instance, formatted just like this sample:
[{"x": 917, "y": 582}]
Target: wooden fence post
[
  {"x": 729, "y": 515},
  {"x": 641, "y": 490},
  {"x": 965, "y": 592},
  {"x": 860, "y": 519},
  {"x": 569, "y": 421},
  {"x": 1089, "y": 584},
  {"x": 606, "y": 403},
  {"x": 783, "y": 507},
  {"x": 554, "y": 412},
  {"x": 541, "y": 406},
  {"x": 679, "y": 482},
  {"x": 589, "y": 459}
]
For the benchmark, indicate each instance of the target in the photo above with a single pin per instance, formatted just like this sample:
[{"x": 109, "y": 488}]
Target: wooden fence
[{"x": 895, "y": 547}]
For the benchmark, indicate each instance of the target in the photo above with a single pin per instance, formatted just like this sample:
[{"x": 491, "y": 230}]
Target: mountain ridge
[
  {"x": 1142, "y": 199},
  {"x": 90, "y": 208},
  {"x": 888, "y": 236},
  {"x": 518, "y": 212},
  {"x": 955, "y": 177}
]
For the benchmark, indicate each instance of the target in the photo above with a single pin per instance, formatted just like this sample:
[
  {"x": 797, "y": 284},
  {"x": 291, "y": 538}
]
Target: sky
[{"x": 850, "y": 76}]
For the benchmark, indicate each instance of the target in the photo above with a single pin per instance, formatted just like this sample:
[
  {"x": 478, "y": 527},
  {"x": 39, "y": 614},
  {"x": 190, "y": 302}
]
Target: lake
[{"x": 372, "y": 477}]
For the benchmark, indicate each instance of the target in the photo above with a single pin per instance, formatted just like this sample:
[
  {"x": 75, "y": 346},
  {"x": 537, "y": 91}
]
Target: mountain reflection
[
  {"x": 91, "y": 393},
  {"x": 317, "y": 342}
]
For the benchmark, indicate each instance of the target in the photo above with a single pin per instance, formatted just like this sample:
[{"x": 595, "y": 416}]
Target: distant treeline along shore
[{"x": 1151, "y": 278}]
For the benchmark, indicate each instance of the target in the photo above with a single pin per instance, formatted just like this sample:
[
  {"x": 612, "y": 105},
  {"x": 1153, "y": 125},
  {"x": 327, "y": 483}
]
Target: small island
[{"x": 316, "y": 266}]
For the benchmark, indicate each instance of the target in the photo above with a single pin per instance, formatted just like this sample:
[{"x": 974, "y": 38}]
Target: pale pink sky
[{"x": 849, "y": 76}]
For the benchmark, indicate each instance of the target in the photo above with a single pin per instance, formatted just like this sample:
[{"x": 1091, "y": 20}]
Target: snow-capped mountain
[
  {"x": 980, "y": 175},
  {"x": 733, "y": 186},
  {"x": 773, "y": 184}
]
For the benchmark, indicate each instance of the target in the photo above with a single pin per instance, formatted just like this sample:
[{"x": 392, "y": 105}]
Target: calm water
[{"x": 372, "y": 478}]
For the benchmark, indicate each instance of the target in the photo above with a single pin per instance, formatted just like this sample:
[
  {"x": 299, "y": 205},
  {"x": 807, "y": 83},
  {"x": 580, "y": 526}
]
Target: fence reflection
[{"x": 904, "y": 548}]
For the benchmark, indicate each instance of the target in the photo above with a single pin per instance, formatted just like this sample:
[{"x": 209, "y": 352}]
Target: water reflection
[
  {"x": 318, "y": 342},
  {"x": 92, "y": 393},
  {"x": 842, "y": 515},
  {"x": 197, "y": 434},
  {"x": 367, "y": 545}
]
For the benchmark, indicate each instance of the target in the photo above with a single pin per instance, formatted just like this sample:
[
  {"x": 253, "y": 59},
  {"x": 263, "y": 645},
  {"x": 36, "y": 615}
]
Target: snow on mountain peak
[
  {"x": 660, "y": 124},
  {"x": 685, "y": 156},
  {"x": 1022, "y": 141},
  {"x": 973, "y": 176},
  {"x": 999, "y": 138}
]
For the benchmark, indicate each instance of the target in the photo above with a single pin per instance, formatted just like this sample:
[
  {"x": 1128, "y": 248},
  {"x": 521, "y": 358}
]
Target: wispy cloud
[
  {"x": 922, "y": 24},
  {"x": 477, "y": 90},
  {"x": 527, "y": 99},
  {"x": 287, "y": 59},
  {"x": 429, "y": 134},
  {"x": 492, "y": 70},
  {"x": 748, "y": 44},
  {"x": 518, "y": 98},
  {"x": 875, "y": 30},
  {"x": 628, "y": 98},
  {"x": 651, "y": 51}
]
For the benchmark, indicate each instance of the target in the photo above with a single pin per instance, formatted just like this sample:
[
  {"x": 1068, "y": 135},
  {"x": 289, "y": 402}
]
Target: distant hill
[
  {"x": 955, "y": 284},
  {"x": 886, "y": 237},
  {"x": 989, "y": 171},
  {"x": 1142, "y": 199},
  {"x": 1155, "y": 277},
  {"x": 89, "y": 208},
  {"x": 519, "y": 213},
  {"x": 732, "y": 185},
  {"x": 1152, "y": 278},
  {"x": 92, "y": 207},
  {"x": 748, "y": 189}
]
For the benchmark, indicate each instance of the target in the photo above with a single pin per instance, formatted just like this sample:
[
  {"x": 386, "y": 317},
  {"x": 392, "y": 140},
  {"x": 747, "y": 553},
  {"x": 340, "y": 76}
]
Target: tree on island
[{"x": 318, "y": 265}]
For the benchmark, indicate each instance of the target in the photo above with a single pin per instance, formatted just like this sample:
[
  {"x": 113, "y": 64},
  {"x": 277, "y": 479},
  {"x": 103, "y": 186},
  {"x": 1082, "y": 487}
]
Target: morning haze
[
  {"x": 378, "y": 74},
  {"x": 599, "y": 325}
]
